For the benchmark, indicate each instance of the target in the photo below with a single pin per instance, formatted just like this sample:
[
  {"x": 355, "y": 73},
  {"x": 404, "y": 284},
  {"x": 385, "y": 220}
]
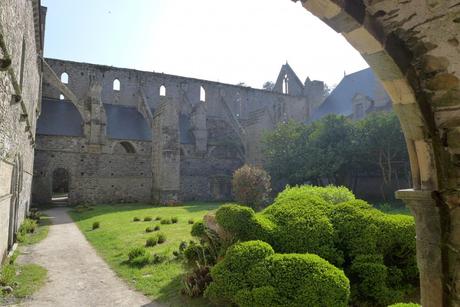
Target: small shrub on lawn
[
  {"x": 136, "y": 252},
  {"x": 138, "y": 256},
  {"x": 251, "y": 186},
  {"x": 150, "y": 229},
  {"x": 180, "y": 253},
  {"x": 156, "y": 228},
  {"x": 147, "y": 219},
  {"x": 199, "y": 254},
  {"x": 198, "y": 229},
  {"x": 191, "y": 221},
  {"x": 141, "y": 260},
  {"x": 152, "y": 241},
  {"x": 157, "y": 259},
  {"x": 136, "y": 219},
  {"x": 182, "y": 246},
  {"x": 165, "y": 221},
  {"x": 161, "y": 238},
  {"x": 195, "y": 282},
  {"x": 174, "y": 220},
  {"x": 96, "y": 225},
  {"x": 158, "y": 218}
]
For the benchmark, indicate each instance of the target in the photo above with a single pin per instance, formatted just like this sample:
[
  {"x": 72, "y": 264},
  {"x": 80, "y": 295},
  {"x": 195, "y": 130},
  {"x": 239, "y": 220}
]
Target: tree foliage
[{"x": 336, "y": 150}]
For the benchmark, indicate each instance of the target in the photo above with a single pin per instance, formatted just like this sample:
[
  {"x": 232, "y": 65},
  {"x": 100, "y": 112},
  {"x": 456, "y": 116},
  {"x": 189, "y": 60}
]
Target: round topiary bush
[
  {"x": 251, "y": 186},
  {"x": 332, "y": 195},
  {"x": 198, "y": 229},
  {"x": 302, "y": 226},
  {"x": 237, "y": 220},
  {"x": 252, "y": 275}
]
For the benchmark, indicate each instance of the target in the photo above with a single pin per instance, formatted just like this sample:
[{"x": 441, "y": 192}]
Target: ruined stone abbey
[{"x": 121, "y": 135}]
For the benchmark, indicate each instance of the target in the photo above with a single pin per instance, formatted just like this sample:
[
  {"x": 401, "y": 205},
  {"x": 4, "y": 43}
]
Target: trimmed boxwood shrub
[
  {"x": 332, "y": 195},
  {"x": 251, "y": 274},
  {"x": 297, "y": 226},
  {"x": 375, "y": 249}
]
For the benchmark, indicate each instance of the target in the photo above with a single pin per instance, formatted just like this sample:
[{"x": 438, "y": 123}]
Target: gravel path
[{"x": 77, "y": 276}]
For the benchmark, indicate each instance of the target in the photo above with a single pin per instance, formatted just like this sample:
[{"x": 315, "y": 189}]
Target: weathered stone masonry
[
  {"x": 179, "y": 138},
  {"x": 21, "y": 45}
]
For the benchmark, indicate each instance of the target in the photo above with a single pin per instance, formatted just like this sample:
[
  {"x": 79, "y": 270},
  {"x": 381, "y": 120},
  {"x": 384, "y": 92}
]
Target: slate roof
[
  {"x": 340, "y": 100},
  {"x": 126, "y": 123},
  {"x": 59, "y": 117}
]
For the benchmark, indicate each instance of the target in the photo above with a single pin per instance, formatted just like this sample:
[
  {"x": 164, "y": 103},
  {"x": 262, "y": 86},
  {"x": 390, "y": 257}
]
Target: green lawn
[{"x": 118, "y": 233}]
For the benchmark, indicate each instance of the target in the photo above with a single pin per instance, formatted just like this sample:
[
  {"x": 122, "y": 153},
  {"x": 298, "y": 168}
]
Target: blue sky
[{"x": 227, "y": 41}]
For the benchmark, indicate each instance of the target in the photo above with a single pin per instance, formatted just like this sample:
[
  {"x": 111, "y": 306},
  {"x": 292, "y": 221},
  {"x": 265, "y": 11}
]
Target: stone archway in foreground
[{"x": 413, "y": 46}]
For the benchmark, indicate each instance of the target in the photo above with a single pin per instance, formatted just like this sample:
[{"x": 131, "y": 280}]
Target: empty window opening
[
  {"x": 286, "y": 85},
  {"x": 65, "y": 78},
  {"x": 60, "y": 188},
  {"x": 202, "y": 94},
  {"x": 162, "y": 91},
  {"x": 61, "y": 97},
  {"x": 116, "y": 85}
]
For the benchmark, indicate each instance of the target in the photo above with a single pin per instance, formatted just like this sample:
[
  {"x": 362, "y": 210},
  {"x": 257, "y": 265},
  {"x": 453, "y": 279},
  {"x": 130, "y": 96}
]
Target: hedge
[
  {"x": 251, "y": 274},
  {"x": 332, "y": 195},
  {"x": 350, "y": 234}
]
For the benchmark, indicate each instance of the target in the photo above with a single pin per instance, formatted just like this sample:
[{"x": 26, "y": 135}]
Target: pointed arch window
[
  {"x": 286, "y": 84},
  {"x": 202, "y": 94},
  {"x": 65, "y": 78},
  {"x": 116, "y": 85},
  {"x": 162, "y": 91}
]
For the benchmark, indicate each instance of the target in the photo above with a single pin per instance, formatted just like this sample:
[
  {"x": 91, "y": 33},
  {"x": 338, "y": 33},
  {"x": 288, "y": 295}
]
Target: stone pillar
[
  {"x": 428, "y": 238},
  {"x": 199, "y": 128},
  {"x": 166, "y": 152}
]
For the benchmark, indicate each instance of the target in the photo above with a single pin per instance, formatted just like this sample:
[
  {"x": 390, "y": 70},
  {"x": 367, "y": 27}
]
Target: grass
[
  {"x": 30, "y": 278},
  {"x": 25, "y": 280},
  {"x": 393, "y": 207},
  {"x": 40, "y": 233},
  {"x": 118, "y": 234}
]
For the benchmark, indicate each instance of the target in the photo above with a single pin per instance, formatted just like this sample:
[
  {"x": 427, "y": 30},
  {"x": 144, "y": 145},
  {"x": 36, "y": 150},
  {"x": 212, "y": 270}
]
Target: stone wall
[
  {"x": 197, "y": 140},
  {"x": 20, "y": 82},
  {"x": 112, "y": 175}
]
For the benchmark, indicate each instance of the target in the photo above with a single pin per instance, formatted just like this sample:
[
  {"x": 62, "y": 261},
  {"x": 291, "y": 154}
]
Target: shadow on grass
[
  {"x": 103, "y": 209},
  {"x": 171, "y": 295}
]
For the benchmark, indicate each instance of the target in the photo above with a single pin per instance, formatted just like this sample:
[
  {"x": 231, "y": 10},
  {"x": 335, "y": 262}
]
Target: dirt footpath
[{"x": 77, "y": 276}]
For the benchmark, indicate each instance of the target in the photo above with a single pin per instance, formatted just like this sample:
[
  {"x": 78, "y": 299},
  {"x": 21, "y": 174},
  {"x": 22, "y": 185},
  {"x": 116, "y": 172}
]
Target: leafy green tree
[
  {"x": 381, "y": 136},
  {"x": 284, "y": 152},
  {"x": 337, "y": 150}
]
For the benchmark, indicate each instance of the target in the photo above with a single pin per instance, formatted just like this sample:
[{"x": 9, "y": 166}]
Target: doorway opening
[{"x": 60, "y": 187}]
